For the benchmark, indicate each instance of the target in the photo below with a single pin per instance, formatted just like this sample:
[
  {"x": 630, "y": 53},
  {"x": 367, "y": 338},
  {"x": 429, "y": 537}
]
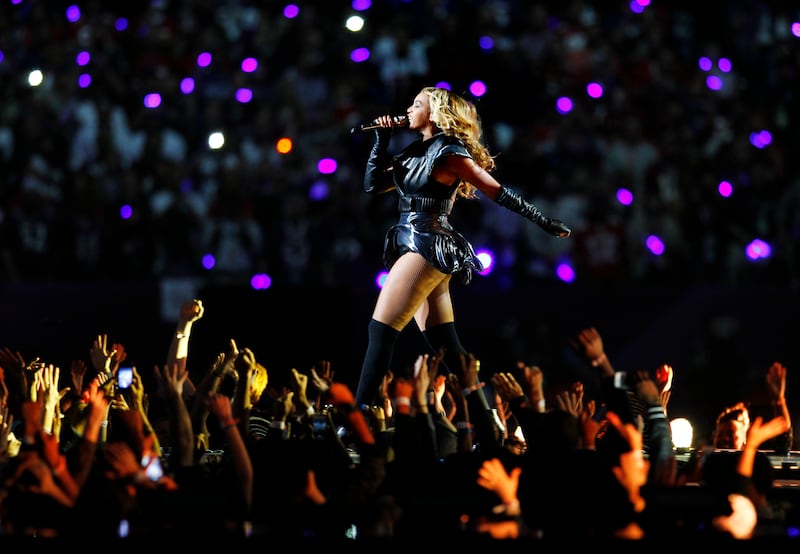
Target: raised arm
[
  {"x": 191, "y": 311},
  {"x": 776, "y": 386}
]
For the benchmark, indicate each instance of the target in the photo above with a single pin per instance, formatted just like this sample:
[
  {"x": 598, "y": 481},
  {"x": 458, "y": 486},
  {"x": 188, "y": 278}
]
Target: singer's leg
[
  {"x": 410, "y": 281},
  {"x": 436, "y": 320}
]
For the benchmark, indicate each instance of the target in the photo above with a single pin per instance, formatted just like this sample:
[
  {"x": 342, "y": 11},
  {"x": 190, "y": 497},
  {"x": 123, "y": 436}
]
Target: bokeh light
[
  {"x": 152, "y": 100},
  {"x": 359, "y": 55},
  {"x": 713, "y": 82},
  {"x": 73, "y": 14},
  {"x": 477, "y": 88},
  {"x": 187, "y": 85},
  {"x": 261, "y": 281},
  {"x": 244, "y": 95},
  {"x": 761, "y": 139},
  {"x": 565, "y": 272},
  {"x": 705, "y": 63},
  {"x": 354, "y": 23},
  {"x": 564, "y": 105},
  {"x": 594, "y": 90},
  {"x": 35, "y": 78},
  {"x": 327, "y": 166},
  {"x": 655, "y": 245},
  {"x": 487, "y": 259},
  {"x": 284, "y": 145},
  {"x": 319, "y": 190},
  {"x": 249, "y": 65},
  {"x": 291, "y": 11},
  {"x": 216, "y": 140},
  {"x": 204, "y": 59},
  {"x": 758, "y": 250},
  {"x": 682, "y": 432},
  {"x": 624, "y": 196}
]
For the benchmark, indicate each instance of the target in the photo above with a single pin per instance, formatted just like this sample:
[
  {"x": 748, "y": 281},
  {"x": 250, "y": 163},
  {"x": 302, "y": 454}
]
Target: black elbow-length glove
[{"x": 514, "y": 202}]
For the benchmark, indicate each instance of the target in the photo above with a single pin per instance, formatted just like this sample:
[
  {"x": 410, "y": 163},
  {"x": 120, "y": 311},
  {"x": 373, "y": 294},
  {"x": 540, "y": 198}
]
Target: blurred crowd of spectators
[{"x": 72, "y": 156}]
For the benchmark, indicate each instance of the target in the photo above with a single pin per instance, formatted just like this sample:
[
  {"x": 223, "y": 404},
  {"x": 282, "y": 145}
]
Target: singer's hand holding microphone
[{"x": 382, "y": 121}]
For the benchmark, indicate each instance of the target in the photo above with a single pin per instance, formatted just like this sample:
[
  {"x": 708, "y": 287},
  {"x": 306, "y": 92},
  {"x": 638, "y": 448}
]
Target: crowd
[
  {"x": 72, "y": 157},
  {"x": 467, "y": 454}
]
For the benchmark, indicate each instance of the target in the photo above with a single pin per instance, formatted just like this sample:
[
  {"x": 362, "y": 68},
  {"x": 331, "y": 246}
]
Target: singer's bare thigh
[
  {"x": 437, "y": 308},
  {"x": 405, "y": 289}
]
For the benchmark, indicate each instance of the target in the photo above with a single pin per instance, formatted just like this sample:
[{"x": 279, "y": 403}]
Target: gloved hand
[
  {"x": 514, "y": 202},
  {"x": 555, "y": 227}
]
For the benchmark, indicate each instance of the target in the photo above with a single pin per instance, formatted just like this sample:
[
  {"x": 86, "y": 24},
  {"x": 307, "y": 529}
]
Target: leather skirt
[{"x": 432, "y": 236}]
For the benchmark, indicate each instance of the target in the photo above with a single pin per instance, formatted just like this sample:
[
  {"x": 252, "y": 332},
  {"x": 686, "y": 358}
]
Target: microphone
[{"x": 399, "y": 121}]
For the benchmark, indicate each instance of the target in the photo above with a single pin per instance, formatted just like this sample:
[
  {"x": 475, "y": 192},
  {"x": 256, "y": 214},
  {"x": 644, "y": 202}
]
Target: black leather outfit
[{"x": 424, "y": 205}]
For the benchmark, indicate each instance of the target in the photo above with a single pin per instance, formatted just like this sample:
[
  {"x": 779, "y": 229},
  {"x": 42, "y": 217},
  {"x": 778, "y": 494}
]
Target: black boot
[
  {"x": 377, "y": 361},
  {"x": 444, "y": 336}
]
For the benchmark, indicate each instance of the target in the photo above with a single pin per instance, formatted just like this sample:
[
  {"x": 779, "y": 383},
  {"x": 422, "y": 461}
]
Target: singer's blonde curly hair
[{"x": 458, "y": 117}]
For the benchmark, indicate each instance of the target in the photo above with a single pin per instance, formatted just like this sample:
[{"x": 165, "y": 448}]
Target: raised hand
[
  {"x": 101, "y": 356},
  {"x": 439, "y": 385},
  {"x": 590, "y": 427},
  {"x": 52, "y": 397},
  {"x": 633, "y": 468},
  {"x": 244, "y": 363},
  {"x": 507, "y": 386},
  {"x": 174, "y": 378},
  {"x": 589, "y": 343},
  {"x": 470, "y": 367},
  {"x": 319, "y": 382},
  {"x": 321, "y": 378},
  {"x": 137, "y": 391},
  {"x": 760, "y": 431},
  {"x": 283, "y": 406},
  {"x": 12, "y": 362},
  {"x": 22, "y": 373},
  {"x": 776, "y": 381},
  {"x": 191, "y": 311},
  {"x": 571, "y": 400},
  {"x": 219, "y": 405},
  {"x": 120, "y": 355},
  {"x": 422, "y": 381},
  {"x": 492, "y": 476},
  {"x": 77, "y": 373},
  {"x": 229, "y": 360}
]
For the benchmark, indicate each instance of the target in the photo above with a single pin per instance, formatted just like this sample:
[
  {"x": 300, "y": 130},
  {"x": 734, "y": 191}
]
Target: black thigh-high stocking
[
  {"x": 377, "y": 360},
  {"x": 444, "y": 336}
]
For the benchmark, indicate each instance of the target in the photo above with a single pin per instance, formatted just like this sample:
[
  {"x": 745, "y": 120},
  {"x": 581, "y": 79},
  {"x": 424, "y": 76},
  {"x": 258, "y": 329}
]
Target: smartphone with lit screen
[{"x": 124, "y": 377}]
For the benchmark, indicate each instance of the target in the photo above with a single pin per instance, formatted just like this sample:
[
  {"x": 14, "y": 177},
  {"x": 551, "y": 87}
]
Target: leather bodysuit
[{"x": 424, "y": 206}]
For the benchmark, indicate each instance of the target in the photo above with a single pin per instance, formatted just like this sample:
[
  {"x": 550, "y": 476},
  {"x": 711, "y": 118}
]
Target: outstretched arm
[{"x": 466, "y": 169}]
